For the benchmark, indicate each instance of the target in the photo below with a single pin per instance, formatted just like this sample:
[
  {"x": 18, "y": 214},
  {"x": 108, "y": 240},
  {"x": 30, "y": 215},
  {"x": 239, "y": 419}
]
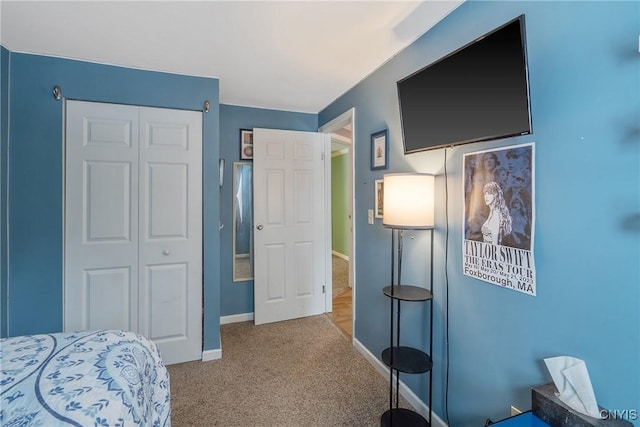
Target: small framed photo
[
  {"x": 379, "y": 149},
  {"x": 379, "y": 197},
  {"x": 246, "y": 144}
]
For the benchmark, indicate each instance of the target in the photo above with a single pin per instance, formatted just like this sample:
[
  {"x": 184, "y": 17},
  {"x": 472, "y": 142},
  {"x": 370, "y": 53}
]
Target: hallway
[
  {"x": 342, "y": 312},
  {"x": 342, "y": 296}
]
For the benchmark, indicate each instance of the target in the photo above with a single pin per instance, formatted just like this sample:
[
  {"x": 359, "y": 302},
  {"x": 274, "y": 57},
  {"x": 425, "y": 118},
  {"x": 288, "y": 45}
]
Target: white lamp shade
[{"x": 408, "y": 201}]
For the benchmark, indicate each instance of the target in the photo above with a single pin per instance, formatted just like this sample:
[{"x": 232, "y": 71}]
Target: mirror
[{"x": 242, "y": 221}]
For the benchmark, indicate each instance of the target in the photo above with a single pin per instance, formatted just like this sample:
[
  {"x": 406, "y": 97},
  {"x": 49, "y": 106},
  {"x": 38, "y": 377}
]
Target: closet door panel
[
  {"x": 167, "y": 210},
  {"x": 101, "y": 216},
  {"x": 171, "y": 237}
]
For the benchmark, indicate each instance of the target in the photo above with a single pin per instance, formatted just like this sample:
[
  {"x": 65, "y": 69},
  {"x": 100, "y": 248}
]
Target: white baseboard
[
  {"x": 214, "y": 354},
  {"x": 405, "y": 391},
  {"x": 339, "y": 255},
  {"x": 235, "y": 318},
  {"x": 208, "y": 355}
]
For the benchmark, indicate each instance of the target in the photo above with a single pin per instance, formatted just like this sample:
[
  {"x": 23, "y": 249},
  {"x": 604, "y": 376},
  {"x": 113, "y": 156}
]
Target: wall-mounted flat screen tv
[{"x": 477, "y": 93}]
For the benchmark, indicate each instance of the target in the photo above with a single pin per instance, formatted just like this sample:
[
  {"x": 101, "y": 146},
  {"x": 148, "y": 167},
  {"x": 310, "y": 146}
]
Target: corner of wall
[{"x": 5, "y": 58}]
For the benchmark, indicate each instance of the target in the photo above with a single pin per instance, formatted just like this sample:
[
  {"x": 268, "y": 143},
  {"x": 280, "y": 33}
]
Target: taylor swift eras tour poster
[{"x": 499, "y": 217}]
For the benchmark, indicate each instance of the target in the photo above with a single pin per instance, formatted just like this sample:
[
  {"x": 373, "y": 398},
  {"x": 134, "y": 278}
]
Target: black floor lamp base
[{"x": 398, "y": 417}]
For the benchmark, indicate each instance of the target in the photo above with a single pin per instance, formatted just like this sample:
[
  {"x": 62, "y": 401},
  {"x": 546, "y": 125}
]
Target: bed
[{"x": 91, "y": 378}]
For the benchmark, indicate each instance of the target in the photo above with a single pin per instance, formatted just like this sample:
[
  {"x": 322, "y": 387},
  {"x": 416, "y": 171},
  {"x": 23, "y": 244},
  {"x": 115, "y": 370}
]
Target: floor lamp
[{"x": 408, "y": 204}]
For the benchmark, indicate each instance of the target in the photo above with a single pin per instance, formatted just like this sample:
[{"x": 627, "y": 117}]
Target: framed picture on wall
[
  {"x": 246, "y": 144},
  {"x": 379, "y": 149},
  {"x": 379, "y": 184}
]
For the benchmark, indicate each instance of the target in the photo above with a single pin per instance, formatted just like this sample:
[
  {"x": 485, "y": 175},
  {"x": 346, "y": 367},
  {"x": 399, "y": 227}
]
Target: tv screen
[{"x": 476, "y": 93}]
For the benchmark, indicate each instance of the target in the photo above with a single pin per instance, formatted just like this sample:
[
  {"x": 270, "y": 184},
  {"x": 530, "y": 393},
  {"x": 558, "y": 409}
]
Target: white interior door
[
  {"x": 133, "y": 224},
  {"x": 289, "y": 236}
]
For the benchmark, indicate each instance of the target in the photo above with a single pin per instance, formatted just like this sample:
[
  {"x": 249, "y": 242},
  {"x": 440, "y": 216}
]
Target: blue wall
[
  {"x": 4, "y": 134},
  {"x": 35, "y": 176},
  {"x": 584, "y": 70},
  {"x": 237, "y": 297}
]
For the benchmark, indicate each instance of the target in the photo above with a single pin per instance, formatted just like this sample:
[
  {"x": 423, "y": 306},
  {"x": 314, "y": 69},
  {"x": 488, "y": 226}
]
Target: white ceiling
[{"x": 283, "y": 55}]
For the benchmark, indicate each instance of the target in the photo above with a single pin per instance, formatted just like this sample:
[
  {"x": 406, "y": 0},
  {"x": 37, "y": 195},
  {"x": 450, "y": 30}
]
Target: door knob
[
  {"x": 259, "y": 227},
  {"x": 166, "y": 252}
]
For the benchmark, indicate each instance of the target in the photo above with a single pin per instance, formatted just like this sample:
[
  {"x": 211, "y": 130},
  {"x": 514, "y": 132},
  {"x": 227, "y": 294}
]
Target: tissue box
[{"x": 546, "y": 406}]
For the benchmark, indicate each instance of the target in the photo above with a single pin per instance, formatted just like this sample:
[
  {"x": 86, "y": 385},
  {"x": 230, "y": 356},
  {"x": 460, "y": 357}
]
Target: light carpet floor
[{"x": 302, "y": 372}]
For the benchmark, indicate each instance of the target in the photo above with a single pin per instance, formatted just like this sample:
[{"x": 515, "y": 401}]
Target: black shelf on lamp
[
  {"x": 408, "y": 293},
  {"x": 407, "y": 359},
  {"x": 402, "y": 417},
  {"x": 408, "y": 205}
]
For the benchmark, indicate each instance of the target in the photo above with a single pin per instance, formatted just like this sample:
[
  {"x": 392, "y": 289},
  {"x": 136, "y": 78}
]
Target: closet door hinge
[
  {"x": 323, "y": 289},
  {"x": 322, "y": 156}
]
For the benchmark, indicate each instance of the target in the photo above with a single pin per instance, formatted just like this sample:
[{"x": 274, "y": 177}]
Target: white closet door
[
  {"x": 171, "y": 231},
  {"x": 133, "y": 245},
  {"x": 101, "y": 217}
]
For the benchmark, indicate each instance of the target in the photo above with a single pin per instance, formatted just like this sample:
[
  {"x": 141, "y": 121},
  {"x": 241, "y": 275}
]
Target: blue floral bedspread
[{"x": 90, "y": 378}]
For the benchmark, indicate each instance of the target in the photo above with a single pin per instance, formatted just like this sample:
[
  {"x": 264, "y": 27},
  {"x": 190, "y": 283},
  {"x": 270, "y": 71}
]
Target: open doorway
[
  {"x": 341, "y": 229},
  {"x": 342, "y": 294}
]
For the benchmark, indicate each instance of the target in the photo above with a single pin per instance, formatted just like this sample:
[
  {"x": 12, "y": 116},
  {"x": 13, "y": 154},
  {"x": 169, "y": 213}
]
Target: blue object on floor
[{"x": 526, "y": 419}]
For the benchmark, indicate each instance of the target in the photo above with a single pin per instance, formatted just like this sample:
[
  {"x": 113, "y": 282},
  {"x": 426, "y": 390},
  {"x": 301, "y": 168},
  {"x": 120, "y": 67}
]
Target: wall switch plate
[{"x": 370, "y": 216}]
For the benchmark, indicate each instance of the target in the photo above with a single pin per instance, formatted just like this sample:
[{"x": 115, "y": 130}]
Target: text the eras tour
[{"x": 500, "y": 265}]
